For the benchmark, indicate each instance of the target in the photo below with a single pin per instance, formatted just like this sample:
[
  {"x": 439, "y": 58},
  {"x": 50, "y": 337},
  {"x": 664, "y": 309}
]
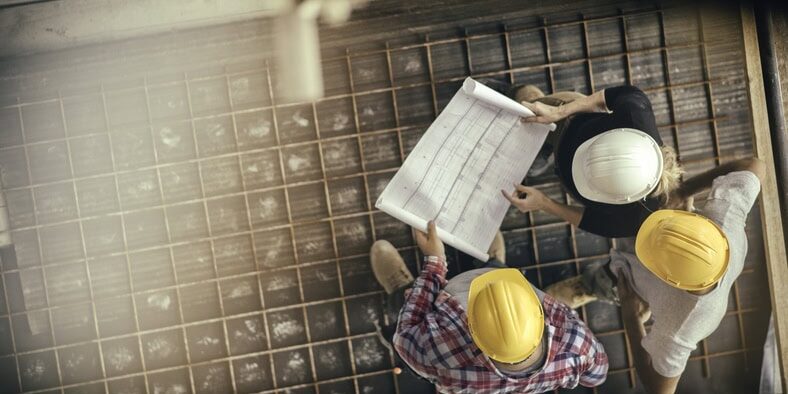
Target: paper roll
[
  {"x": 421, "y": 224},
  {"x": 481, "y": 92}
]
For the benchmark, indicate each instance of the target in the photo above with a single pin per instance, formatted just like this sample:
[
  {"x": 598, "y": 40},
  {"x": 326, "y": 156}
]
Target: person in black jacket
[
  {"x": 609, "y": 156},
  {"x": 594, "y": 157}
]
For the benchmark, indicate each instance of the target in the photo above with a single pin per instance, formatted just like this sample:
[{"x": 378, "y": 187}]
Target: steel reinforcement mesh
[{"x": 189, "y": 233}]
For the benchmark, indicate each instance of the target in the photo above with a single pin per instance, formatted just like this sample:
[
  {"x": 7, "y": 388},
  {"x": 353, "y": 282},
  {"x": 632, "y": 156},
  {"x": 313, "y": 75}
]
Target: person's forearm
[
  {"x": 703, "y": 181},
  {"x": 592, "y": 103},
  {"x": 413, "y": 334},
  {"x": 419, "y": 300},
  {"x": 636, "y": 331},
  {"x": 653, "y": 382},
  {"x": 571, "y": 214}
]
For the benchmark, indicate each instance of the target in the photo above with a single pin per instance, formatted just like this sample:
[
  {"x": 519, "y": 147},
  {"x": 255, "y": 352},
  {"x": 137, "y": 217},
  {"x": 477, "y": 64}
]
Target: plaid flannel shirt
[{"x": 433, "y": 338}]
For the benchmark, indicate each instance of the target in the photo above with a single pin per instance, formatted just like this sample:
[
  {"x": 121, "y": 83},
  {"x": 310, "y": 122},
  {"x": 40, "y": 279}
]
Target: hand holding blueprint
[{"x": 476, "y": 147}]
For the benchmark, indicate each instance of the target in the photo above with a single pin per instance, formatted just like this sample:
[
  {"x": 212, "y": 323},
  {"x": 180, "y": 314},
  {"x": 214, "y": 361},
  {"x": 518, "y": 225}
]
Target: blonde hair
[{"x": 670, "y": 179}]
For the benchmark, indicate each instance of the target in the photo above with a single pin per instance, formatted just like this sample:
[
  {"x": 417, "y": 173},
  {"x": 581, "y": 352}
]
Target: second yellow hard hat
[{"x": 684, "y": 249}]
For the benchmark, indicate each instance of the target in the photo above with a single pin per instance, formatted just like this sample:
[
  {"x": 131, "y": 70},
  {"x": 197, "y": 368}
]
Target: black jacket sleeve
[
  {"x": 631, "y": 106},
  {"x": 613, "y": 221}
]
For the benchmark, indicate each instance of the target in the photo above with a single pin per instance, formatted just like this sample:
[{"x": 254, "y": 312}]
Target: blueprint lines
[{"x": 455, "y": 173}]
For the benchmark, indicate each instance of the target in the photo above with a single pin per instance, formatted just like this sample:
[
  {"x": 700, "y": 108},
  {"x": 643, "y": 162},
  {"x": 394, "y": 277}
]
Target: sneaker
[
  {"x": 571, "y": 292},
  {"x": 389, "y": 268},
  {"x": 528, "y": 93},
  {"x": 498, "y": 248}
]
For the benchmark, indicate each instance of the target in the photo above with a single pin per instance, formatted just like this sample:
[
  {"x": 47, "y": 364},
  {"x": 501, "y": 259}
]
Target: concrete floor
[{"x": 177, "y": 230}]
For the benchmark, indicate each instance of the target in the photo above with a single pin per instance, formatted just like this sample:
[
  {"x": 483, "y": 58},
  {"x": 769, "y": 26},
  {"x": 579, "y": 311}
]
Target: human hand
[
  {"x": 526, "y": 198},
  {"x": 544, "y": 113},
  {"x": 631, "y": 303},
  {"x": 429, "y": 243}
]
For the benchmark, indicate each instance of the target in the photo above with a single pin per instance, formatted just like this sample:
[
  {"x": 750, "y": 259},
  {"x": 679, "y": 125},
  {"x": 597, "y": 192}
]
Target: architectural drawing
[{"x": 475, "y": 148}]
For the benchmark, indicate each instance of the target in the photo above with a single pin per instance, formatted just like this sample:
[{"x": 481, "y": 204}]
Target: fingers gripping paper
[{"x": 476, "y": 147}]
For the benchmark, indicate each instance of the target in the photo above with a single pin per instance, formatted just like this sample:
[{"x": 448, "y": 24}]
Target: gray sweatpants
[{"x": 598, "y": 279}]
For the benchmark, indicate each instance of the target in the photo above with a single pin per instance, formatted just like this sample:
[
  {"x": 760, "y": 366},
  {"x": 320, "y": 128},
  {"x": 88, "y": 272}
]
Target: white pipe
[
  {"x": 300, "y": 76},
  {"x": 5, "y": 223}
]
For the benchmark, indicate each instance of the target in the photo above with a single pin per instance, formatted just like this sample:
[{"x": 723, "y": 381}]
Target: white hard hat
[{"x": 618, "y": 166}]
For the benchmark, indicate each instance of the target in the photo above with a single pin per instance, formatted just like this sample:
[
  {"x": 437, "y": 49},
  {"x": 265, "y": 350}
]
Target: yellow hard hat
[
  {"x": 686, "y": 250},
  {"x": 504, "y": 315}
]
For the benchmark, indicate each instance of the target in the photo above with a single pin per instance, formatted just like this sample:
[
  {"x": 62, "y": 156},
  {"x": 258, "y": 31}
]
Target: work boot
[
  {"x": 498, "y": 248},
  {"x": 571, "y": 292},
  {"x": 601, "y": 281},
  {"x": 389, "y": 268},
  {"x": 528, "y": 93}
]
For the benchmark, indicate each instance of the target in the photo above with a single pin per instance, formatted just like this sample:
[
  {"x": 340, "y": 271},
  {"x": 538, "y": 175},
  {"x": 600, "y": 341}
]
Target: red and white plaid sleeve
[{"x": 417, "y": 329}]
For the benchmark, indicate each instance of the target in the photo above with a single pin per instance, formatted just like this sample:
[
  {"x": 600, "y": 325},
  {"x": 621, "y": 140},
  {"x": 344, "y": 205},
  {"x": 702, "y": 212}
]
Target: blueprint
[{"x": 476, "y": 147}]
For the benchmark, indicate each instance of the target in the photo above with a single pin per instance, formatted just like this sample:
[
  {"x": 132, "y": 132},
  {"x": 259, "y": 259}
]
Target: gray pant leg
[{"x": 598, "y": 279}]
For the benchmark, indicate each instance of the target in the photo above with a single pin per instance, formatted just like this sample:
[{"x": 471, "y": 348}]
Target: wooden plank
[
  {"x": 58, "y": 25},
  {"x": 774, "y": 242}
]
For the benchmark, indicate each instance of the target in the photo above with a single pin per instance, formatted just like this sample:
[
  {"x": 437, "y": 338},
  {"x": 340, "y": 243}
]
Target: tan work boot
[
  {"x": 571, "y": 292},
  {"x": 389, "y": 268},
  {"x": 498, "y": 248},
  {"x": 528, "y": 93}
]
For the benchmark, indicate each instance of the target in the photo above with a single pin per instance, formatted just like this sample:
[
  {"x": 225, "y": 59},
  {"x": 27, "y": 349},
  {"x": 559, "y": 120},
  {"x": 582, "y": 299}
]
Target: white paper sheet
[
  {"x": 476, "y": 147},
  {"x": 483, "y": 93}
]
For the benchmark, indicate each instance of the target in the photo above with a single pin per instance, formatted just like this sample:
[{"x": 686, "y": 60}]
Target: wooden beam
[
  {"x": 774, "y": 242},
  {"x": 34, "y": 26}
]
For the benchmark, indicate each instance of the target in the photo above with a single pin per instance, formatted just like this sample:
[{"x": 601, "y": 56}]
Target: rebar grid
[{"x": 331, "y": 218}]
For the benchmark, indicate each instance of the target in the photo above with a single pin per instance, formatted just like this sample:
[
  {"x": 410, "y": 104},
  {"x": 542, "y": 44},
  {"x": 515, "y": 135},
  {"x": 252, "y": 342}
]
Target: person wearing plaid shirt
[{"x": 434, "y": 337}]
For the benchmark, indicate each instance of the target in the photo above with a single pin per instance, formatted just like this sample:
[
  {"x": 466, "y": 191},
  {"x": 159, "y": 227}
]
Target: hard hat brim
[{"x": 584, "y": 187}]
